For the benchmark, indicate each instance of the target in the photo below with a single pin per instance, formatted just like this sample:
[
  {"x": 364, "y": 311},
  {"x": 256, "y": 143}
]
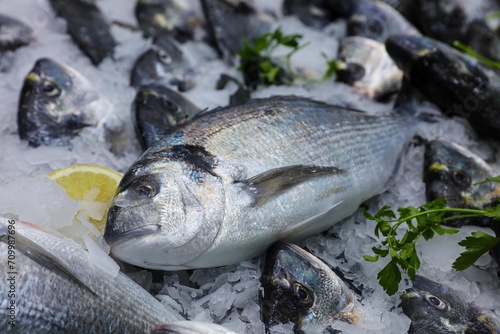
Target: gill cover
[{"x": 170, "y": 205}]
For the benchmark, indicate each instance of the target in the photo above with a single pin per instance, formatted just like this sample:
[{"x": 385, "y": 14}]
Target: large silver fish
[
  {"x": 231, "y": 182},
  {"x": 50, "y": 286}
]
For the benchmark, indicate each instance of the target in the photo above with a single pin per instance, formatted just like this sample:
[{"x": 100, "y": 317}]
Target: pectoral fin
[{"x": 276, "y": 181}]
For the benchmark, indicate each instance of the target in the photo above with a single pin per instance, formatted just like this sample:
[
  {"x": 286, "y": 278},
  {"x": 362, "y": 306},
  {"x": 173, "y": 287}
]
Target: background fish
[
  {"x": 231, "y": 182},
  {"x": 300, "y": 288},
  {"x": 232, "y": 21},
  {"x": 56, "y": 102},
  {"x": 157, "y": 17},
  {"x": 163, "y": 63},
  {"x": 367, "y": 66},
  {"x": 87, "y": 27},
  {"x": 157, "y": 110},
  {"x": 58, "y": 290},
  {"x": 451, "y": 171},
  {"x": 436, "y": 309},
  {"x": 457, "y": 85},
  {"x": 13, "y": 33}
]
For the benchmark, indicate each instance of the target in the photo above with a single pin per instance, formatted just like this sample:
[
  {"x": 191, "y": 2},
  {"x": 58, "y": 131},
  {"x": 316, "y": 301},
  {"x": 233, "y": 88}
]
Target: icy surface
[{"x": 227, "y": 295}]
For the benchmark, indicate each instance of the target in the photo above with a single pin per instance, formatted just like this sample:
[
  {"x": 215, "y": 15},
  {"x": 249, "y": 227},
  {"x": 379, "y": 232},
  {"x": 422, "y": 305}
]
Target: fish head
[
  {"x": 56, "y": 101},
  {"x": 435, "y": 308},
  {"x": 168, "y": 208},
  {"x": 300, "y": 288},
  {"x": 452, "y": 171}
]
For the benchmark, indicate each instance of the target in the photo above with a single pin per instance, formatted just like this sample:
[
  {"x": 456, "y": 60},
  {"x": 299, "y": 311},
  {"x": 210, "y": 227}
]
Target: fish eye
[
  {"x": 435, "y": 301},
  {"x": 460, "y": 177},
  {"x": 145, "y": 189},
  {"x": 302, "y": 293},
  {"x": 164, "y": 57},
  {"x": 170, "y": 106},
  {"x": 356, "y": 71},
  {"x": 375, "y": 27},
  {"x": 50, "y": 89}
]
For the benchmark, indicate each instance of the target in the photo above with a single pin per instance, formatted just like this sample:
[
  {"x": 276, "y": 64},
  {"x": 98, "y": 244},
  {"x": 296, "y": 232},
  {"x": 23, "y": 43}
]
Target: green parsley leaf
[{"x": 475, "y": 245}]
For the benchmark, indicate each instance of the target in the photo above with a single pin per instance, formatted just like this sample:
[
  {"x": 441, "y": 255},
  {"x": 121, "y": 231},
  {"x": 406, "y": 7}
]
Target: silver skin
[
  {"x": 191, "y": 327},
  {"x": 231, "y": 182},
  {"x": 434, "y": 308},
  {"x": 368, "y": 67},
  {"x": 58, "y": 290},
  {"x": 300, "y": 288}
]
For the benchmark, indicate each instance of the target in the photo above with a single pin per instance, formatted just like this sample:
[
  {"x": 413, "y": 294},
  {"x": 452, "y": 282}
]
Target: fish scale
[{"x": 232, "y": 181}]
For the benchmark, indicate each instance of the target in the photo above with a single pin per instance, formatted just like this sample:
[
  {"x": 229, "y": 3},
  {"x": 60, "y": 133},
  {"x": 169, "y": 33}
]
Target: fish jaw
[{"x": 159, "y": 219}]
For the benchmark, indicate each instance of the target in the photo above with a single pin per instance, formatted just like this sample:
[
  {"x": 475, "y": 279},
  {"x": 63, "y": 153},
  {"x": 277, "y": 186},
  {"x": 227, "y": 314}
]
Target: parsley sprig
[
  {"x": 260, "y": 64},
  {"x": 423, "y": 222}
]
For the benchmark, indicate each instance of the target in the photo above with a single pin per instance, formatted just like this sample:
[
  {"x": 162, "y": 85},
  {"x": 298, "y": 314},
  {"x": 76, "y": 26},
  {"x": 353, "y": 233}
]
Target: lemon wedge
[{"x": 93, "y": 186}]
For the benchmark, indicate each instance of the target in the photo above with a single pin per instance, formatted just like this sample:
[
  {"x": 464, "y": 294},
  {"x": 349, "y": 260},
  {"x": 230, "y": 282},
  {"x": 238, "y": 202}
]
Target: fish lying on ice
[
  {"x": 367, "y": 67},
  {"x": 157, "y": 110},
  {"x": 436, "y": 309},
  {"x": 299, "y": 288},
  {"x": 233, "y": 181},
  {"x": 455, "y": 83},
  {"x": 13, "y": 34},
  {"x": 55, "y": 103},
  {"x": 87, "y": 27},
  {"x": 452, "y": 171},
  {"x": 56, "y": 289}
]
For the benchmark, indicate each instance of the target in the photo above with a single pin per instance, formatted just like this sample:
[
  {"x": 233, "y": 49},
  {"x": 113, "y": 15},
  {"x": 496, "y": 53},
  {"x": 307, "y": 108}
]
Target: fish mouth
[{"x": 113, "y": 239}]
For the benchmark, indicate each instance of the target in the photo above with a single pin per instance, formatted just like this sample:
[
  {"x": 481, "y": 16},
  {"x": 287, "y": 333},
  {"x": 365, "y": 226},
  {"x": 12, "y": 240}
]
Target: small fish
[
  {"x": 436, "y": 309},
  {"x": 454, "y": 82},
  {"x": 175, "y": 17},
  {"x": 452, "y": 171},
  {"x": 311, "y": 13},
  {"x": 164, "y": 63},
  {"x": 299, "y": 288},
  {"x": 366, "y": 65},
  {"x": 232, "y": 181},
  {"x": 87, "y": 27},
  {"x": 373, "y": 19},
  {"x": 190, "y": 327},
  {"x": 13, "y": 34},
  {"x": 56, "y": 289},
  {"x": 56, "y": 102},
  {"x": 157, "y": 110},
  {"x": 232, "y": 21}
]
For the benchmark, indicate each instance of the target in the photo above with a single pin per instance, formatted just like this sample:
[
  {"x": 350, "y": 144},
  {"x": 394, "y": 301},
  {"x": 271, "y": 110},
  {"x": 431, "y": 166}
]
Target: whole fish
[
  {"x": 87, "y": 27},
  {"x": 366, "y": 65},
  {"x": 453, "y": 171},
  {"x": 55, "y": 103},
  {"x": 459, "y": 86},
  {"x": 157, "y": 110},
  {"x": 190, "y": 327},
  {"x": 230, "y": 22},
  {"x": 436, "y": 309},
  {"x": 54, "y": 288},
  {"x": 232, "y": 181},
  {"x": 13, "y": 33},
  {"x": 163, "y": 63},
  {"x": 157, "y": 17},
  {"x": 299, "y": 288}
]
